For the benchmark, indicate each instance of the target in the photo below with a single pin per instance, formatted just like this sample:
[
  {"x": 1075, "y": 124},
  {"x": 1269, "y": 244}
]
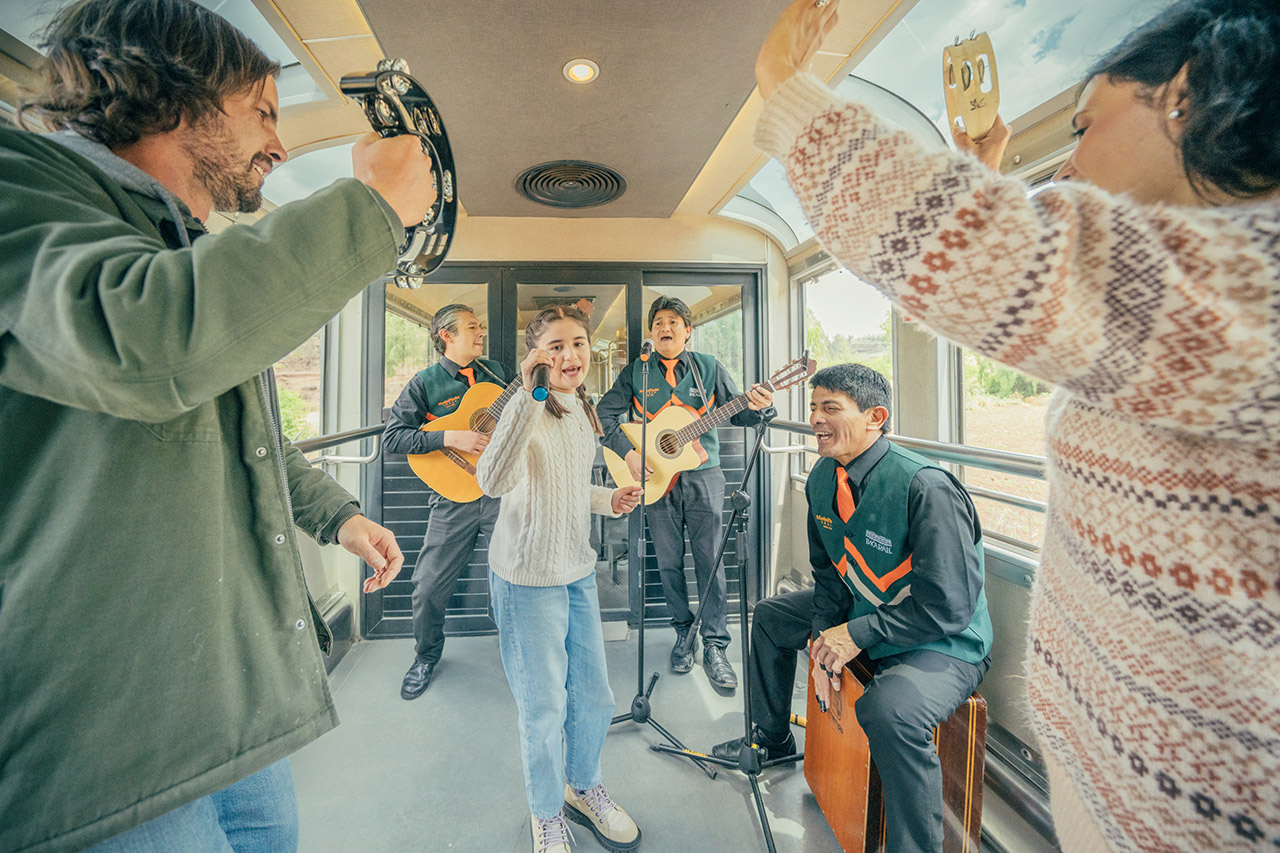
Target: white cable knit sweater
[
  {"x": 541, "y": 468},
  {"x": 1154, "y": 655}
]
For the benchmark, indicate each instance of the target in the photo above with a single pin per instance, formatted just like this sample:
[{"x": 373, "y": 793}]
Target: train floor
[{"x": 442, "y": 772}]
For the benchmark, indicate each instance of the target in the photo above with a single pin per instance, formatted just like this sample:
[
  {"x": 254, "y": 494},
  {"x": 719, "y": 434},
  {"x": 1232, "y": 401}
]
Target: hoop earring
[{"x": 1176, "y": 114}]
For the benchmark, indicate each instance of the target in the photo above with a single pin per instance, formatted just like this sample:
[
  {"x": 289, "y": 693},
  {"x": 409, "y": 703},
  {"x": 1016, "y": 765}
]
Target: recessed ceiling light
[{"x": 581, "y": 70}]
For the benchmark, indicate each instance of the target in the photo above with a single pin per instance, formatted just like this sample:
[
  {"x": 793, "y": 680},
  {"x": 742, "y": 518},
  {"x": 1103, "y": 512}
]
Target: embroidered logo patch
[
  {"x": 452, "y": 401},
  {"x": 880, "y": 543},
  {"x": 824, "y": 521}
]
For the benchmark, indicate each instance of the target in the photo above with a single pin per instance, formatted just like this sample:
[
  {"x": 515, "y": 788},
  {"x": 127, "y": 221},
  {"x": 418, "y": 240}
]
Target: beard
[{"x": 233, "y": 185}]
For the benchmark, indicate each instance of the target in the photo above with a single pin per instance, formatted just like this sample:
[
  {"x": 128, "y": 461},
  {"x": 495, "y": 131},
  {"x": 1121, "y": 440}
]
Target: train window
[
  {"x": 300, "y": 385},
  {"x": 26, "y": 19},
  {"x": 1040, "y": 49},
  {"x": 845, "y": 320},
  {"x": 300, "y": 176},
  {"x": 1005, "y": 409}
]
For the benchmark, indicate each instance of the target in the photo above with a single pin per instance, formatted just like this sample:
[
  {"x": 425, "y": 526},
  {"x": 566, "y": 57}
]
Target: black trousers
[
  {"x": 447, "y": 547},
  {"x": 908, "y": 696},
  {"x": 694, "y": 503}
]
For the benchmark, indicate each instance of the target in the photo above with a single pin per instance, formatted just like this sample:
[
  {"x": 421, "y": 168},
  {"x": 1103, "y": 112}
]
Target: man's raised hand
[{"x": 399, "y": 171}]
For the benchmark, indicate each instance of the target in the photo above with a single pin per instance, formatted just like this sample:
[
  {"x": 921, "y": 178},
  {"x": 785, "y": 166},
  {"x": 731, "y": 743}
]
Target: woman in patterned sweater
[{"x": 1147, "y": 288}]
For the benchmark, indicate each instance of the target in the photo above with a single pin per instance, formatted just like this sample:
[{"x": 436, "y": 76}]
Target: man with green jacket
[{"x": 158, "y": 655}]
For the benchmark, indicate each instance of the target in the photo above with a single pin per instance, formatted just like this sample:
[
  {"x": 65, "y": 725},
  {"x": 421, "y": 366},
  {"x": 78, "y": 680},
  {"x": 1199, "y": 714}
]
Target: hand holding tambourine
[{"x": 397, "y": 105}]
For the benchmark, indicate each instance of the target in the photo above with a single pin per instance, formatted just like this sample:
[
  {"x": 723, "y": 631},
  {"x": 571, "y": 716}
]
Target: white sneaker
[
  {"x": 551, "y": 836},
  {"x": 594, "y": 809}
]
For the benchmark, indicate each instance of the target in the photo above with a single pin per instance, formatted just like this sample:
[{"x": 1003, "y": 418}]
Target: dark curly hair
[
  {"x": 1231, "y": 49},
  {"x": 119, "y": 70}
]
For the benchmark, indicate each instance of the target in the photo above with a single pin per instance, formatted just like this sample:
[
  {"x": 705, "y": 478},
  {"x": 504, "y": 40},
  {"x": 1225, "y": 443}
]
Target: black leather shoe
[
  {"x": 718, "y": 668},
  {"x": 730, "y": 749},
  {"x": 682, "y": 659},
  {"x": 416, "y": 679}
]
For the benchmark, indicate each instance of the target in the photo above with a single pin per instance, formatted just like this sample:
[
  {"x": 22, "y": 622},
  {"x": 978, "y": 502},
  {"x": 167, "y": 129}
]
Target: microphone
[
  {"x": 646, "y": 349},
  {"x": 541, "y": 377}
]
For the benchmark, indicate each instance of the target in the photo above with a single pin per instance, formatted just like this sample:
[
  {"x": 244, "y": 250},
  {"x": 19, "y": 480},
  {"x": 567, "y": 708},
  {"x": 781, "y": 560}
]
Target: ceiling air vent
[{"x": 571, "y": 183}]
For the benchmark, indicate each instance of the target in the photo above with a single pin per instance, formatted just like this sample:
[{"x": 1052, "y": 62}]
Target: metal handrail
[
  {"x": 1006, "y": 498},
  {"x": 323, "y": 442},
  {"x": 1002, "y": 461}
]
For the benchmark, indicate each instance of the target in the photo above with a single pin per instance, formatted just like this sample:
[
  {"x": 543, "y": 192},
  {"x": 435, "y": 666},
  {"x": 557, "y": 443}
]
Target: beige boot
[
  {"x": 594, "y": 809},
  {"x": 551, "y": 836}
]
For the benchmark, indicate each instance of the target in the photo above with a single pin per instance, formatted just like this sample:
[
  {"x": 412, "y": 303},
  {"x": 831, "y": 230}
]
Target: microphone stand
[
  {"x": 641, "y": 709},
  {"x": 750, "y": 759}
]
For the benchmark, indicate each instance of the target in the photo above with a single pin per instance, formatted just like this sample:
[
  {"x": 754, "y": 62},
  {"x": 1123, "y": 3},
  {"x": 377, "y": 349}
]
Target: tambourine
[
  {"x": 971, "y": 85},
  {"x": 396, "y": 104}
]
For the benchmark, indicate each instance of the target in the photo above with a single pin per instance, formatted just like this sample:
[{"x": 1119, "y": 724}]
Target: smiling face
[
  {"x": 844, "y": 431},
  {"x": 669, "y": 333},
  {"x": 569, "y": 345},
  {"x": 467, "y": 343},
  {"x": 1127, "y": 144},
  {"x": 233, "y": 151}
]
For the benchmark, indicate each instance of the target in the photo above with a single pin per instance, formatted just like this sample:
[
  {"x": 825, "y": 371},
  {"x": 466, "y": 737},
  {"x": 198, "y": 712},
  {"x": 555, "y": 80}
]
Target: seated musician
[
  {"x": 452, "y": 527},
  {"x": 896, "y": 551}
]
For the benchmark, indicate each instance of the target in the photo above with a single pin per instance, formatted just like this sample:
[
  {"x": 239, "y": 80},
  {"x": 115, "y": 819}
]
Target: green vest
[
  {"x": 870, "y": 552},
  {"x": 444, "y": 393},
  {"x": 685, "y": 394}
]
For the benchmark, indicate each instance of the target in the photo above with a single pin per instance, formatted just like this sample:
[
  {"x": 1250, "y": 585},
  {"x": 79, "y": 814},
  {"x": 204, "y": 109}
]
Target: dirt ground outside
[{"x": 1015, "y": 425}]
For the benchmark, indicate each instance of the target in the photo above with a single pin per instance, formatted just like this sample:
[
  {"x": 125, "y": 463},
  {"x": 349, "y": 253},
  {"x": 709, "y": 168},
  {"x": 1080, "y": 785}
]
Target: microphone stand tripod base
[
  {"x": 641, "y": 708},
  {"x": 751, "y": 758}
]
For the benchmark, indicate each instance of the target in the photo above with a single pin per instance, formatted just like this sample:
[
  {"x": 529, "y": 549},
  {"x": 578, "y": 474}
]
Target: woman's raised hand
[{"x": 794, "y": 40}]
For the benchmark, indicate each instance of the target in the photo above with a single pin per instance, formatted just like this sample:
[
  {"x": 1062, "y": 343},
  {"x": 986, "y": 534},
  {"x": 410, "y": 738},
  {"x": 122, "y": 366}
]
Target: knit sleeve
[
  {"x": 602, "y": 501},
  {"x": 502, "y": 465},
  {"x": 1168, "y": 315}
]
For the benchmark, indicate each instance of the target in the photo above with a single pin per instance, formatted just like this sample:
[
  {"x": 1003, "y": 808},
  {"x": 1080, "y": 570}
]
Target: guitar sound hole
[{"x": 667, "y": 444}]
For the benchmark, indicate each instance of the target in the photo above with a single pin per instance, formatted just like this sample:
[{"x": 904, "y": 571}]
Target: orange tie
[
  {"x": 670, "y": 365},
  {"x": 844, "y": 494},
  {"x": 470, "y": 373}
]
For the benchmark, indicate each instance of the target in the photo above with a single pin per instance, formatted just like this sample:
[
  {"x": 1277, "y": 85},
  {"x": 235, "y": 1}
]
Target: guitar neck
[
  {"x": 496, "y": 407},
  {"x": 716, "y": 417}
]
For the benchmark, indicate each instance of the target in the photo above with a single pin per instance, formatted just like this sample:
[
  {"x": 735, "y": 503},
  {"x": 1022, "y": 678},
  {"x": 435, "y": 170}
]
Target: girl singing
[{"x": 542, "y": 580}]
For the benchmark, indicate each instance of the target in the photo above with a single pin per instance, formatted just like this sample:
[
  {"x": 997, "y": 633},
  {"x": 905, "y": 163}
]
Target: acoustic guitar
[
  {"x": 452, "y": 473},
  {"x": 672, "y": 434}
]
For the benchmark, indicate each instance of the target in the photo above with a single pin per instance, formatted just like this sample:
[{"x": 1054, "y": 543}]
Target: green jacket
[{"x": 156, "y": 637}]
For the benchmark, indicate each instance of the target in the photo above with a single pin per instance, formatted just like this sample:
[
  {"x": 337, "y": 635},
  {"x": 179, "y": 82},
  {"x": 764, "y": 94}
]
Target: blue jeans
[
  {"x": 258, "y": 814},
  {"x": 553, "y": 653}
]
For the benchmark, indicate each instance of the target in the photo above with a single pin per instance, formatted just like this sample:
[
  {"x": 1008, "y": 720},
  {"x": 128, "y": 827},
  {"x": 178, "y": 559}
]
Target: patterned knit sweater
[
  {"x": 541, "y": 468},
  {"x": 1154, "y": 654}
]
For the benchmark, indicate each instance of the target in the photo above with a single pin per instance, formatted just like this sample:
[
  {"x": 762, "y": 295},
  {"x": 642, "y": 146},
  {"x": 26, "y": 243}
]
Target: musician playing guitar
[
  {"x": 453, "y": 527},
  {"x": 696, "y": 381}
]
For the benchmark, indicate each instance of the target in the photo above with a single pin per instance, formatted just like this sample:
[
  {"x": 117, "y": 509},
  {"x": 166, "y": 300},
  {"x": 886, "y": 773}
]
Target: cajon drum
[
  {"x": 837, "y": 763},
  {"x": 843, "y": 778}
]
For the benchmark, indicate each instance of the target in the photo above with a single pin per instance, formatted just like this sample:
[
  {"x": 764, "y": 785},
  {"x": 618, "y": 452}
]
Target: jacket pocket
[{"x": 201, "y": 424}]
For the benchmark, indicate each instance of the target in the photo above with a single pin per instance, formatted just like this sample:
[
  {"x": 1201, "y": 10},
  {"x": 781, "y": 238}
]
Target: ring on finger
[{"x": 818, "y": 4}]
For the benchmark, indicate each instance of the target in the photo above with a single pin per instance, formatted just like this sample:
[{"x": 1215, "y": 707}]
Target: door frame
[{"x": 634, "y": 276}]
